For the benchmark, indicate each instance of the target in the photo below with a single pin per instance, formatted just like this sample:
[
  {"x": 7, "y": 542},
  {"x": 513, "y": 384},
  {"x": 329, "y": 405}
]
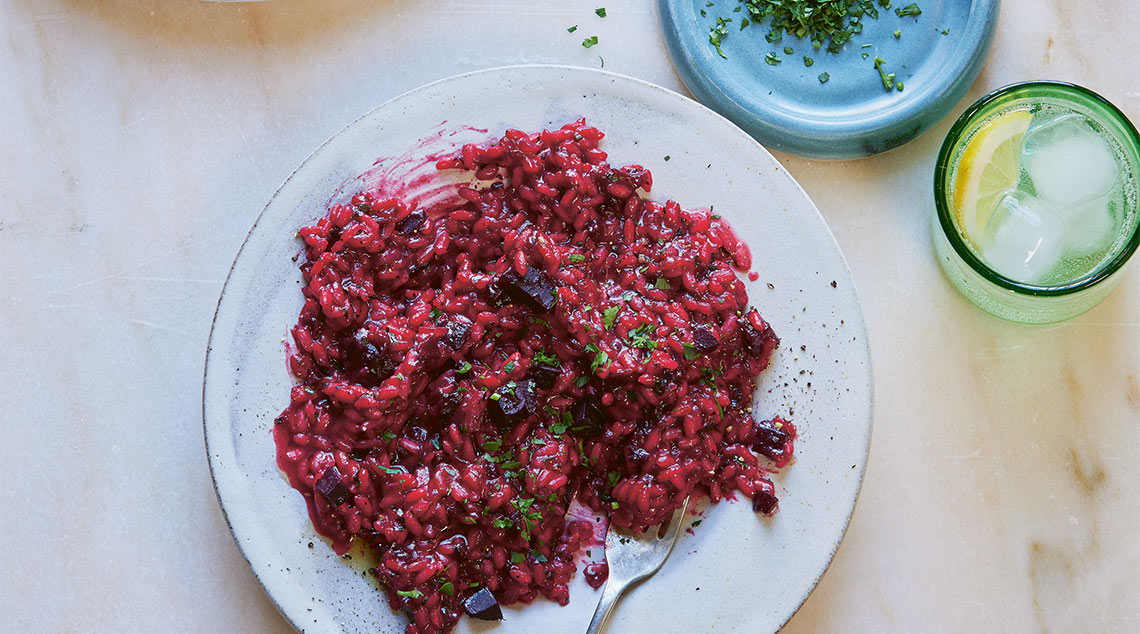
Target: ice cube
[
  {"x": 1089, "y": 228},
  {"x": 1068, "y": 161},
  {"x": 1024, "y": 239}
]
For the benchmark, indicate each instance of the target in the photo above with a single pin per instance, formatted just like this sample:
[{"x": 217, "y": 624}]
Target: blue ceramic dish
[{"x": 784, "y": 106}]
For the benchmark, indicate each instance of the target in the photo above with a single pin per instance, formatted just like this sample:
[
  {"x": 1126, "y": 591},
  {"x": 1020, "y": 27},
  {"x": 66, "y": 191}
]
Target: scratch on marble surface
[
  {"x": 151, "y": 324},
  {"x": 176, "y": 280},
  {"x": 119, "y": 275},
  {"x": 1002, "y": 351},
  {"x": 1097, "y": 323},
  {"x": 50, "y": 17},
  {"x": 970, "y": 456},
  {"x": 515, "y": 9},
  {"x": 131, "y": 124}
]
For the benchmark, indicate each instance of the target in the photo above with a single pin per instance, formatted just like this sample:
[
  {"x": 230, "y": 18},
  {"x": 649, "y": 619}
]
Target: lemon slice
[{"x": 989, "y": 167}]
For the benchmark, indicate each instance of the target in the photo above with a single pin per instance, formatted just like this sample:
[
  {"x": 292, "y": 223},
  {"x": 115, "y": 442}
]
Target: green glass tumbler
[{"x": 964, "y": 264}]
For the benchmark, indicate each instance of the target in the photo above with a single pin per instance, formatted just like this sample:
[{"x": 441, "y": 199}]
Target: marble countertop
[{"x": 141, "y": 138}]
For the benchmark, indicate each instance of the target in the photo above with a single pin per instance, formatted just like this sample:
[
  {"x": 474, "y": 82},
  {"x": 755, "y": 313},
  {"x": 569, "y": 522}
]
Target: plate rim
[{"x": 864, "y": 443}]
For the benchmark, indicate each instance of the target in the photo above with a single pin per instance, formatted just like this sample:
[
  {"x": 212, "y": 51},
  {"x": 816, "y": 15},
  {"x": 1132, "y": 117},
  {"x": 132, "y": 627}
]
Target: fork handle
[{"x": 610, "y": 595}]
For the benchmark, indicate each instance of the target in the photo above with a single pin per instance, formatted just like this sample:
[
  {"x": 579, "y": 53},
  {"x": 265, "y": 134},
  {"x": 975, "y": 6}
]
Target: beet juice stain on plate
[{"x": 794, "y": 256}]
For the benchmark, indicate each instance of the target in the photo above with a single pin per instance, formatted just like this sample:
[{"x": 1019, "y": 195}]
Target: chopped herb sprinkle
[
  {"x": 609, "y": 315},
  {"x": 601, "y": 11},
  {"x": 910, "y": 9},
  {"x": 717, "y": 33},
  {"x": 590, "y": 41},
  {"x": 888, "y": 78},
  {"x": 833, "y": 23}
]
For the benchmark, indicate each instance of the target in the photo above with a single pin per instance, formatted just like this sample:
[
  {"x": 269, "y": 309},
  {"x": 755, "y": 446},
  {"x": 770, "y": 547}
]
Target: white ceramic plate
[{"x": 737, "y": 571}]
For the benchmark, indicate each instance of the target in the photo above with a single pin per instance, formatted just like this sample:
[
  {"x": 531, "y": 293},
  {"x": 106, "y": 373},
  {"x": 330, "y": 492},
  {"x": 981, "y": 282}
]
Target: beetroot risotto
[{"x": 466, "y": 372}]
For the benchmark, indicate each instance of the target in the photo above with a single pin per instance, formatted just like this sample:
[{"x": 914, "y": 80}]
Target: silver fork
[{"x": 632, "y": 558}]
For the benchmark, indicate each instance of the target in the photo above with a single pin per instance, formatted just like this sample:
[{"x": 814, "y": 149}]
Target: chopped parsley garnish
[
  {"x": 411, "y": 594},
  {"x": 509, "y": 367},
  {"x": 529, "y": 516},
  {"x": 690, "y": 351},
  {"x": 717, "y": 33},
  {"x": 601, "y": 359},
  {"x": 447, "y": 589},
  {"x": 696, "y": 523},
  {"x": 464, "y": 368},
  {"x": 576, "y": 257},
  {"x": 910, "y": 9},
  {"x": 601, "y": 11},
  {"x": 545, "y": 359},
  {"x": 496, "y": 396},
  {"x": 662, "y": 284},
  {"x": 435, "y": 313},
  {"x": 888, "y": 78},
  {"x": 581, "y": 381},
  {"x": 641, "y": 337},
  {"x": 667, "y": 157},
  {"x": 609, "y": 315},
  {"x": 492, "y": 445},
  {"x": 572, "y": 29},
  {"x": 517, "y": 558},
  {"x": 590, "y": 41},
  {"x": 830, "y": 22},
  {"x": 389, "y": 470}
]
